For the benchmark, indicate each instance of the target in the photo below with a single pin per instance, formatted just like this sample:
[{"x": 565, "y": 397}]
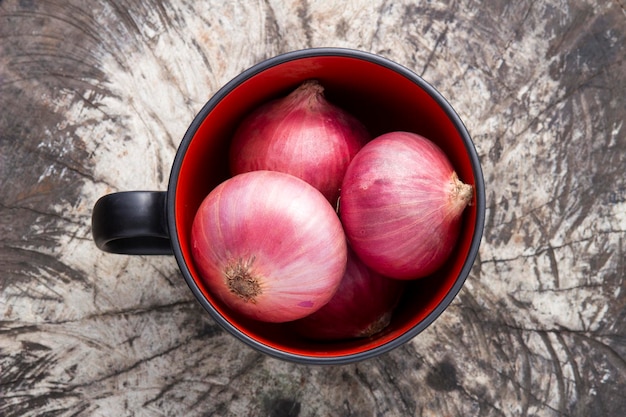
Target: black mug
[{"x": 386, "y": 97}]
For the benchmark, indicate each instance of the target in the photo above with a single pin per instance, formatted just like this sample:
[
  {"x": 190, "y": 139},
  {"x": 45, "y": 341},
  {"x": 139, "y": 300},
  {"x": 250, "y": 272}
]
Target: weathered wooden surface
[{"x": 94, "y": 98}]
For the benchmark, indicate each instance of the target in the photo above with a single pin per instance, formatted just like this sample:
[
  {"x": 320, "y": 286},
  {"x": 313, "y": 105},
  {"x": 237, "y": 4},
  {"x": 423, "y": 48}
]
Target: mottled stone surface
[{"x": 95, "y": 97}]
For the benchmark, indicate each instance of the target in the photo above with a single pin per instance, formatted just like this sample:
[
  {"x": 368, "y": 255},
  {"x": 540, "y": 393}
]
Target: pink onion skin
[
  {"x": 301, "y": 134},
  {"x": 269, "y": 246},
  {"x": 401, "y": 205},
  {"x": 362, "y": 306}
]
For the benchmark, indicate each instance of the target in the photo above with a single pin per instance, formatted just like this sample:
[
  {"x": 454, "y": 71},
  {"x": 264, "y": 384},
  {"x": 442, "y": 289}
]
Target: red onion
[
  {"x": 361, "y": 307},
  {"x": 301, "y": 134},
  {"x": 401, "y": 205},
  {"x": 269, "y": 246}
]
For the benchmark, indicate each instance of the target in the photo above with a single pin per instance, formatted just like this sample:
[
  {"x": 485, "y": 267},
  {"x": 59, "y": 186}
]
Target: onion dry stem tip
[
  {"x": 377, "y": 326},
  {"x": 462, "y": 193}
]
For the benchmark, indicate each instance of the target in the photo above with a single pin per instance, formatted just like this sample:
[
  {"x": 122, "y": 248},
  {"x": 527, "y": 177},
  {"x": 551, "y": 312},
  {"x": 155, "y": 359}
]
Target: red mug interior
[{"x": 384, "y": 100}]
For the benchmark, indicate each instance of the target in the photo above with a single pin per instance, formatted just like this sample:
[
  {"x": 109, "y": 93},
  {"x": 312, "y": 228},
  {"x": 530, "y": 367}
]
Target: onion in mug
[
  {"x": 362, "y": 306},
  {"x": 269, "y": 245},
  {"x": 301, "y": 134},
  {"x": 401, "y": 205}
]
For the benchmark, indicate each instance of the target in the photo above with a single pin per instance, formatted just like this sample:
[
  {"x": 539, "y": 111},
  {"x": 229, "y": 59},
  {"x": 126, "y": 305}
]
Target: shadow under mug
[{"x": 385, "y": 96}]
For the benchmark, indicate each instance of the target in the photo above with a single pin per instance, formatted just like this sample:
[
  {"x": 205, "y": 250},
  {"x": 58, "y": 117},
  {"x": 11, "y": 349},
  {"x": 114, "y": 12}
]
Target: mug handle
[{"x": 132, "y": 223}]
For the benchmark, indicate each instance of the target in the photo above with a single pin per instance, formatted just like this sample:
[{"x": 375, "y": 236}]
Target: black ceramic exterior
[{"x": 132, "y": 223}]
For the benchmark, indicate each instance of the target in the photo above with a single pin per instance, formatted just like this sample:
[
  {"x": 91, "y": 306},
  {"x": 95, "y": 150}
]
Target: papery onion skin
[
  {"x": 269, "y": 246},
  {"x": 362, "y": 306},
  {"x": 301, "y": 134},
  {"x": 401, "y": 205}
]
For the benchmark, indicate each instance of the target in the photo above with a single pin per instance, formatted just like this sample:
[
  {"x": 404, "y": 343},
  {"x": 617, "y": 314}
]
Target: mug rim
[{"x": 480, "y": 201}]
